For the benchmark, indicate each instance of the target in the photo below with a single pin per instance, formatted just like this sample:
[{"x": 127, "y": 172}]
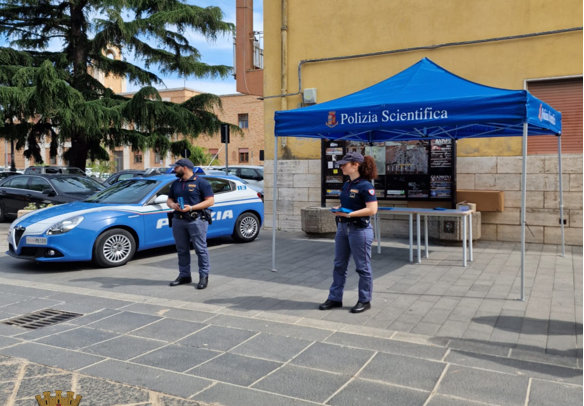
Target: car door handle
[{"x": 28, "y": 195}]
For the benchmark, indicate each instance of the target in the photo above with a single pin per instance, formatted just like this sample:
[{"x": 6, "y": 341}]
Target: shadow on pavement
[
  {"x": 468, "y": 357},
  {"x": 111, "y": 283},
  {"x": 262, "y": 303},
  {"x": 527, "y": 325}
]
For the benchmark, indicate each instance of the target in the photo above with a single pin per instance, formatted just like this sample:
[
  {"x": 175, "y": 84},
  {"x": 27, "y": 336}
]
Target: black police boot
[
  {"x": 203, "y": 282},
  {"x": 360, "y": 307},
  {"x": 329, "y": 304},
  {"x": 181, "y": 281}
]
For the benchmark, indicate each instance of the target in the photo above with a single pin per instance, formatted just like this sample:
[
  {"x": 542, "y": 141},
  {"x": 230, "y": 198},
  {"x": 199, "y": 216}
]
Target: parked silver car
[{"x": 254, "y": 175}]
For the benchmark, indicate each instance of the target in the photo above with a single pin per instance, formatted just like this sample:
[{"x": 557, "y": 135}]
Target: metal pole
[
  {"x": 418, "y": 232},
  {"x": 411, "y": 237},
  {"x": 470, "y": 237},
  {"x": 561, "y": 193},
  {"x": 426, "y": 235},
  {"x": 12, "y": 158},
  {"x": 275, "y": 205},
  {"x": 523, "y": 204},
  {"x": 378, "y": 225},
  {"x": 463, "y": 240},
  {"x": 227, "y": 156}
]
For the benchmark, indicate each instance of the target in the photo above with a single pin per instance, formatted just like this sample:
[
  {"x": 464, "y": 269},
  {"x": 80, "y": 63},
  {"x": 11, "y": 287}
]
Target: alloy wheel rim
[
  {"x": 248, "y": 227},
  {"x": 117, "y": 248}
]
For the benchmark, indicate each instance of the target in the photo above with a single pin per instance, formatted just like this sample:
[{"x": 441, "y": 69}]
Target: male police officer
[{"x": 190, "y": 222}]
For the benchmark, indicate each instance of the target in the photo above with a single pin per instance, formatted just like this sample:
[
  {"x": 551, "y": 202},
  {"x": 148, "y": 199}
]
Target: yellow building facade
[{"x": 301, "y": 30}]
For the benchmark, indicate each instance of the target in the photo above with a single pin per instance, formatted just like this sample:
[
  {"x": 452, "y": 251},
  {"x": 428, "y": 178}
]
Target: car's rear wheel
[
  {"x": 247, "y": 228},
  {"x": 114, "y": 248}
]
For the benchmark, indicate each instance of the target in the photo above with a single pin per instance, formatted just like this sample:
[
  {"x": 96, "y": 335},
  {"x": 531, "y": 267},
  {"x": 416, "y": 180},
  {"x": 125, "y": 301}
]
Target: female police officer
[
  {"x": 354, "y": 231},
  {"x": 190, "y": 222}
]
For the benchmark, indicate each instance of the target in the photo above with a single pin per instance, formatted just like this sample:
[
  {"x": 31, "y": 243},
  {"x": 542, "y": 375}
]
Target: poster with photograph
[
  {"x": 354, "y": 146},
  {"x": 418, "y": 189},
  {"x": 378, "y": 154},
  {"x": 416, "y": 170},
  {"x": 441, "y": 154},
  {"x": 334, "y": 179},
  {"x": 407, "y": 157},
  {"x": 396, "y": 194},
  {"x": 440, "y": 186},
  {"x": 334, "y": 151}
]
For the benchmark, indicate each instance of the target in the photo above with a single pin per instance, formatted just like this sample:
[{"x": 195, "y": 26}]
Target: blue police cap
[
  {"x": 351, "y": 157},
  {"x": 185, "y": 162}
]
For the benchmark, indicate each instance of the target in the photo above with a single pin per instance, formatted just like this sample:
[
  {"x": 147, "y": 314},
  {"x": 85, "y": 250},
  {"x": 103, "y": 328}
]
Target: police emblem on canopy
[{"x": 332, "y": 119}]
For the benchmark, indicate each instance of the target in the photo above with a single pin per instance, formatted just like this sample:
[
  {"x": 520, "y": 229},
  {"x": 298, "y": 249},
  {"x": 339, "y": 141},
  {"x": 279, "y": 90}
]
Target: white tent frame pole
[
  {"x": 523, "y": 203},
  {"x": 275, "y": 205},
  {"x": 561, "y": 193}
]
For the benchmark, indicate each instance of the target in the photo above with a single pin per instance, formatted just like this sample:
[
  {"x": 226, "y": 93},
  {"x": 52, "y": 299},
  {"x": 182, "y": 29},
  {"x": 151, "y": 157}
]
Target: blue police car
[{"x": 110, "y": 226}]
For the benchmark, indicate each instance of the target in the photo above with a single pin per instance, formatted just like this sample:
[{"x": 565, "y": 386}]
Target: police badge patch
[{"x": 371, "y": 192}]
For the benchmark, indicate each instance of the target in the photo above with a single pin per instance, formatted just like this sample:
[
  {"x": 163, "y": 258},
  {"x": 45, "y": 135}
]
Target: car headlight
[{"x": 65, "y": 225}]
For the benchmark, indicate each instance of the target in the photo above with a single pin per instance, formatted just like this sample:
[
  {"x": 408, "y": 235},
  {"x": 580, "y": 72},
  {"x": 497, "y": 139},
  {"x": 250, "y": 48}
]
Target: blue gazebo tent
[{"x": 424, "y": 102}]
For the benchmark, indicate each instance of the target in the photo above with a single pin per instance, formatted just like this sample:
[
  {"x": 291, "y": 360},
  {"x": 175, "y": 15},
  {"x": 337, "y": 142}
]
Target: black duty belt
[
  {"x": 360, "y": 222},
  {"x": 193, "y": 215}
]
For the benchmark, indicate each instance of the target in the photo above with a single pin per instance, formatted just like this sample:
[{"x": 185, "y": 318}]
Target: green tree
[
  {"x": 101, "y": 166},
  {"x": 52, "y": 93}
]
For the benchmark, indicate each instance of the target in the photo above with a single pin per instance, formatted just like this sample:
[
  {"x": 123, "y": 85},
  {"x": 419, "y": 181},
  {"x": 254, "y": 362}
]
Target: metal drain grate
[{"x": 42, "y": 318}]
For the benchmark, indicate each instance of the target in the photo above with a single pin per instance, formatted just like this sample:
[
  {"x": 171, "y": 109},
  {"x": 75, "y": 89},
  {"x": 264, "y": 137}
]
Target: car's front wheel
[
  {"x": 247, "y": 228},
  {"x": 114, "y": 248}
]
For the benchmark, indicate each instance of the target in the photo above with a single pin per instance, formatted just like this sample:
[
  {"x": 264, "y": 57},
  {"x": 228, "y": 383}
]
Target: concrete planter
[
  {"x": 450, "y": 228},
  {"x": 318, "y": 221}
]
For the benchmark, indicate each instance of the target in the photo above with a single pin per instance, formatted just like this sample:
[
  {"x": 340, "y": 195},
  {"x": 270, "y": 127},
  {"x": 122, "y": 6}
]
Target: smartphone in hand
[{"x": 181, "y": 203}]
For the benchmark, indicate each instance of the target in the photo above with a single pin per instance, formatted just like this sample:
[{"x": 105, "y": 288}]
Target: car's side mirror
[
  {"x": 161, "y": 199},
  {"x": 49, "y": 192}
]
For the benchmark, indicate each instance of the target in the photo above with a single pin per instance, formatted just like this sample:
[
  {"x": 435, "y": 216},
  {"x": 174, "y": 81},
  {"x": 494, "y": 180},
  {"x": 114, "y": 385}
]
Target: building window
[
  {"x": 137, "y": 158},
  {"x": 243, "y": 120},
  {"x": 213, "y": 151},
  {"x": 243, "y": 155},
  {"x": 158, "y": 158},
  {"x": 53, "y": 160}
]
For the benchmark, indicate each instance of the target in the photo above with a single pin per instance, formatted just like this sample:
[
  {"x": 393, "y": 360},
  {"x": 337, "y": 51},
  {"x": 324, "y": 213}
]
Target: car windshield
[
  {"x": 76, "y": 185},
  {"x": 125, "y": 192}
]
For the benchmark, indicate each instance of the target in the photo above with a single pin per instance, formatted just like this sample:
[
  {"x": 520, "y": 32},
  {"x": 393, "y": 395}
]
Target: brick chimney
[{"x": 249, "y": 72}]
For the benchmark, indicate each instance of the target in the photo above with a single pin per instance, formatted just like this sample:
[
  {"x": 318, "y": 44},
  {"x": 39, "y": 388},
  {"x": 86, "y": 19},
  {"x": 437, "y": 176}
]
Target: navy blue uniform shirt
[
  {"x": 356, "y": 193},
  {"x": 193, "y": 191}
]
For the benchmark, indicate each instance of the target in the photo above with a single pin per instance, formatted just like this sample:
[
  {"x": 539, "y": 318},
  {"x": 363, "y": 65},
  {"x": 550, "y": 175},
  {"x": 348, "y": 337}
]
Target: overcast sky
[{"x": 219, "y": 52}]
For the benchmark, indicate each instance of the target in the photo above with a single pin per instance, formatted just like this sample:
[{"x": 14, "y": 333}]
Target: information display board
[{"x": 407, "y": 170}]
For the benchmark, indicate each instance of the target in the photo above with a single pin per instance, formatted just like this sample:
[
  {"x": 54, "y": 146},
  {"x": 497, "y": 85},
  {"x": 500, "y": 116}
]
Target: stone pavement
[
  {"x": 148, "y": 351},
  {"x": 21, "y": 381},
  {"x": 438, "y": 297},
  {"x": 438, "y": 333}
]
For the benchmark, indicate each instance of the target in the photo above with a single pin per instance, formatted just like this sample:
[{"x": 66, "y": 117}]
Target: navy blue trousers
[
  {"x": 354, "y": 241},
  {"x": 184, "y": 232}
]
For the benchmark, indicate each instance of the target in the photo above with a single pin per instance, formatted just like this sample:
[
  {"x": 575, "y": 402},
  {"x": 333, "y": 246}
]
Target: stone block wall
[
  {"x": 299, "y": 187},
  {"x": 543, "y": 213}
]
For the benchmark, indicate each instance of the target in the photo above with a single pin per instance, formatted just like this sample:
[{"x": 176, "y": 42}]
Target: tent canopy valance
[{"x": 424, "y": 101}]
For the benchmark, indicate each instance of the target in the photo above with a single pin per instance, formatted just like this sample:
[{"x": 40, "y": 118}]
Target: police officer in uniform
[
  {"x": 190, "y": 223},
  {"x": 354, "y": 232}
]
